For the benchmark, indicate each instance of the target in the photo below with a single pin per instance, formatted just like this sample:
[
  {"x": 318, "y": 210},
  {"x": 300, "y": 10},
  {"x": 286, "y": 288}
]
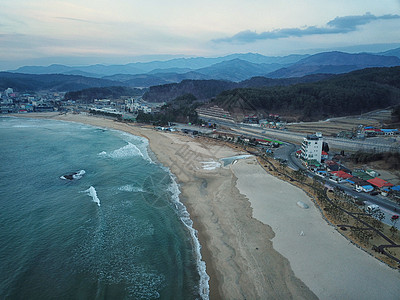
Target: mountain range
[{"x": 233, "y": 68}]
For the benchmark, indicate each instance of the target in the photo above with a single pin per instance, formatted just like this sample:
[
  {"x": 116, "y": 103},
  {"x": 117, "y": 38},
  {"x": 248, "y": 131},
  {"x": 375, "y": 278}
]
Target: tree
[
  {"x": 300, "y": 175},
  {"x": 393, "y": 229}
]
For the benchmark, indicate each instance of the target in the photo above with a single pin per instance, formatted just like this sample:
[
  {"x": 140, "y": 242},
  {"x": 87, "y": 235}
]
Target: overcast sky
[{"x": 120, "y": 31}]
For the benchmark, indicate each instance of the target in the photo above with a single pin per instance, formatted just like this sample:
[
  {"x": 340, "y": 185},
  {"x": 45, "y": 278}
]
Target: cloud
[{"x": 338, "y": 25}]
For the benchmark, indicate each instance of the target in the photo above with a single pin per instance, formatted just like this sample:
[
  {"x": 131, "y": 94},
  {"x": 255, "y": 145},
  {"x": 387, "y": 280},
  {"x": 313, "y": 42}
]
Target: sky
[{"x": 81, "y": 32}]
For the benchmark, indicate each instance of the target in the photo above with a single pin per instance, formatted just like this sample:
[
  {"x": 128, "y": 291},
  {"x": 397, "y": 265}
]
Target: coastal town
[
  {"x": 369, "y": 192},
  {"x": 222, "y": 150}
]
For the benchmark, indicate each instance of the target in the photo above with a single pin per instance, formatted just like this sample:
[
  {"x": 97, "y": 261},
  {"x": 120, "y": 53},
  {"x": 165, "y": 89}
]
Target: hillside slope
[
  {"x": 349, "y": 94},
  {"x": 52, "y": 82}
]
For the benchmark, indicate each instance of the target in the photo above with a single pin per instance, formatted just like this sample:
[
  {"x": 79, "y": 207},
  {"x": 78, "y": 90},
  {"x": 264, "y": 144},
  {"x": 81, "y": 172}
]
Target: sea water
[{"x": 88, "y": 213}]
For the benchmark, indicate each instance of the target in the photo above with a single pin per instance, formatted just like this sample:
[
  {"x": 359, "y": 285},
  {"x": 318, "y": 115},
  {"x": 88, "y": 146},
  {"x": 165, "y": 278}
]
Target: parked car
[
  {"x": 374, "y": 193},
  {"x": 372, "y": 208},
  {"x": 395, "y": 217}
]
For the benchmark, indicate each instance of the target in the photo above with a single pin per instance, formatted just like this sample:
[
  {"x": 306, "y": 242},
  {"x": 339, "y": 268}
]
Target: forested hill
[
  {"x": 54, "y": 82},
  {"x": 201, "y": 89},
  {"x": 207, "y": 89},
  {"x": 349, "y": 94},
  {"x": 113, "y": 92}
]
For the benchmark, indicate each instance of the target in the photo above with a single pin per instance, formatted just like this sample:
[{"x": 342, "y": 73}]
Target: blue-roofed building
[
  {"x": 364, "y": 188},
  {"x": 395, "y": 188},
  {"x": 390, "y": 131}
]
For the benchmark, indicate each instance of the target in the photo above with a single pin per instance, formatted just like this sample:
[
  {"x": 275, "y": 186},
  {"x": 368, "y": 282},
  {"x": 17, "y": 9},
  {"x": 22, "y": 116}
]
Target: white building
[
  {"x": 311, "y": 148},
  {"x": 8, "y": 92}
]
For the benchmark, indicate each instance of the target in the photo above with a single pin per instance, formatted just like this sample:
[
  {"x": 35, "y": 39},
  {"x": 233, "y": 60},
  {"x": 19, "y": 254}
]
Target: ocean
[{"x": 89, "y": 213}]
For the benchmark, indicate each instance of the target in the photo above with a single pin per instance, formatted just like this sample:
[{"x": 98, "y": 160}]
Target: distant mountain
[
  {"x": 334, "y": 63},
  {"x": 237, "y": 70},
  {"x": 234, "y": 67},
  {"x": 177, "y": 65},
  {"x": 147, "y": 80},
  {"x": 54, "y": 82},
  {"x": 171, "y": 70},
  {"x": 393, "y": 52},
  {"x": 261, "y": 59},
  {"x": 52, "y": 69}
]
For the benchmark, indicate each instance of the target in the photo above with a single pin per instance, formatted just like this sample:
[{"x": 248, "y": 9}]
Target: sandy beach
[{"x": 256, "y": 241}]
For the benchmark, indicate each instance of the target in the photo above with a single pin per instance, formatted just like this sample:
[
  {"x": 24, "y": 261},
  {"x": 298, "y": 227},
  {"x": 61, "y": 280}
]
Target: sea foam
[
  {"x": 127, "y": 151},
  {"x": 92, "y": 193},
  {"x": 130, "y": 188},
  {"x": 204, "y": 288}
]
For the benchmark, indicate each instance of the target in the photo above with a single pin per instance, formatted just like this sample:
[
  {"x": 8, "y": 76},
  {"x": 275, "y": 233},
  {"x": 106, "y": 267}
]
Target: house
[
  {"x": 372, "y": 173},
  {"x": 311, "y": 148},
  {"x": 312, "y": 164},
  {"x": 362, "y": 174},
  {"x": 390, "y": 131},
  {"x": 342, "y": 174},
  {"x": 331, "y": 165},
  {"x": 378, "y": 182},
  {"x": 357, "y": 181},
  {"x": 364, "y": 188}
]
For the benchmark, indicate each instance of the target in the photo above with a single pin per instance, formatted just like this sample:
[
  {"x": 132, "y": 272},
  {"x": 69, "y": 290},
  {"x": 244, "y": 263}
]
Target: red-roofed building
[
  {"x": 378, "y": 182},
  {"x": 342, "y": 174}
]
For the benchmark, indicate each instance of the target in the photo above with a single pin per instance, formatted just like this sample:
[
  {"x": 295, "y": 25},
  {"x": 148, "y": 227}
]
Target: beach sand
[{"x": 249, "y": 227}]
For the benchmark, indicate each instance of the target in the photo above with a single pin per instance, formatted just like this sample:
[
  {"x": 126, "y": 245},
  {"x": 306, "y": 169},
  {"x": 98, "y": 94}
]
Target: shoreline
[{"x": 250, "y": 241}]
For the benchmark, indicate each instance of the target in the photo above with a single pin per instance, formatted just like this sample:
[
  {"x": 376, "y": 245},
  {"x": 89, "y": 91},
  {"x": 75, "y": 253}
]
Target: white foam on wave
[
  {"x": 127, "y": 151},
  {"x": 24, "y": 126},
  {"x": 130, "y": 188},
  {"x": 92, "y": 193},
  {"x": 204, "y": 288},
  {"x": 211, "y": 165},
  {"x": 79, "y": 174}
]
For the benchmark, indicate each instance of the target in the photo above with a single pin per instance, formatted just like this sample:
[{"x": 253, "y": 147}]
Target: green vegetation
[
  {"x": 113, "y": 92},
  {"x": 182, "y": 109},
  {"x": 349, "y": 94}
]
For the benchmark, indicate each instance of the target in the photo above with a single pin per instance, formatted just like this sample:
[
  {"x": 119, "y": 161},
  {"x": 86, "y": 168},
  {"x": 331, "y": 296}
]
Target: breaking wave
[
  {"x": 204, "y": 288},
  {"x": 130, "y": 188},
  {"x": 92, "y": 193},
  {"x": 127, "y": 151}
]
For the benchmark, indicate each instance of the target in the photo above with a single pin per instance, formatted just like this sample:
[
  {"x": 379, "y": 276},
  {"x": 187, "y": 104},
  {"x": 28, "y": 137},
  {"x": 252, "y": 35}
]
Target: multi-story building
[{"x": 311, "y": 148}]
